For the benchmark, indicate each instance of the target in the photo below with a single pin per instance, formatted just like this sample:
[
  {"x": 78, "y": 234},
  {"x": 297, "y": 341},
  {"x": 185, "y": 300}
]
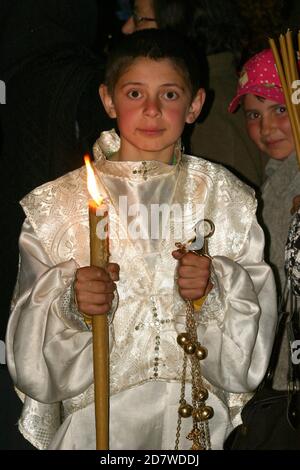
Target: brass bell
[
  {"x": 201, "y": 352},
  {"x": 202, "y": 394},
  {"x": 189, "y": 348},
  {"x": 185, "y": 410},
  {"x": 183, "y": 338},
  {"x": 206, "y": 412},
  {"x": 203, "y": 414}
]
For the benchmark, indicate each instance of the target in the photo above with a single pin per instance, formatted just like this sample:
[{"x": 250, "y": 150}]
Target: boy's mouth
[{"x": 151, "y": 132}]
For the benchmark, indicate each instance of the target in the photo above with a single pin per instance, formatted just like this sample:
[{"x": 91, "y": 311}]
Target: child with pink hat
[
  {"x": 259, "y": 76},
  {"x": 260, "y": 94}
]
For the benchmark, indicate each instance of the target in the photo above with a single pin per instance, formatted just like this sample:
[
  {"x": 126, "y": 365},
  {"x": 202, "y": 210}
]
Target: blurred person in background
[{"x": 265, "y": 18}]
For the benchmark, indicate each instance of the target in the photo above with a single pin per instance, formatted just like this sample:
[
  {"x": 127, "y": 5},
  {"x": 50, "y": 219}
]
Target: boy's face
[
  {"x": 269, "y": 126},
  {"x": 152, "y": 103}
]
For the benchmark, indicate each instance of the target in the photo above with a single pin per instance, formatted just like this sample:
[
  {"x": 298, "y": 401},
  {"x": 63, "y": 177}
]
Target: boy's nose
[
  {"x": 267, "y": 125},
  {"x": 129, "y": 26},
  {"x": 152, "y": 107}
]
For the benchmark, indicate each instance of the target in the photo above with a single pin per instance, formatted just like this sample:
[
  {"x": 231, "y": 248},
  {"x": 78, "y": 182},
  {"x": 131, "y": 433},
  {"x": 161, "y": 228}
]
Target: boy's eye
[
  {"x": 251, "y": 115},
  {"x": 170, "y": 95},
  {"x": 134, "y": 94},
  {"x": 281, "y": 109}
]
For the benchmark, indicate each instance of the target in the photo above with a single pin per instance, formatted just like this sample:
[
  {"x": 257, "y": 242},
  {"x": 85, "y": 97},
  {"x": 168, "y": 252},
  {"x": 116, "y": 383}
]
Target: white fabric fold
[{"x": 55, "y": 376}]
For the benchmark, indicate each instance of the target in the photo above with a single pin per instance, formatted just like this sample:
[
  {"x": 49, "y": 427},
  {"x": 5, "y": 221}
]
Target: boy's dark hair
[{"x": 157, "y": 44}]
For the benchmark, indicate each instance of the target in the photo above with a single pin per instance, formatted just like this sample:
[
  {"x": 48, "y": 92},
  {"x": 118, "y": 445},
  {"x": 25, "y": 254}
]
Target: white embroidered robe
[{"x": 49, "y": 348}]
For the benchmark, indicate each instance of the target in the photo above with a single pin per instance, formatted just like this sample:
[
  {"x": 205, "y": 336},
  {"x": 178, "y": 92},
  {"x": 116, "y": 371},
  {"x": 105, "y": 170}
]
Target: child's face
[
  {"x": 269, "y": 126},
  {"x": 152, "y": 103}
]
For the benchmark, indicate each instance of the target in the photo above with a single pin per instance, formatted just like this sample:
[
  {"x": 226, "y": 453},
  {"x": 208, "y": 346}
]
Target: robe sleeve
[
  {"x": 237, "y": 323},
  {"x": 49, "y": 347}
]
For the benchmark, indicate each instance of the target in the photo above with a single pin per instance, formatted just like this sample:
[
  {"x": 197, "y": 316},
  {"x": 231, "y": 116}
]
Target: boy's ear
[
  {"x": 107, "y": 101},
  {"x": 196, "y": 106}
]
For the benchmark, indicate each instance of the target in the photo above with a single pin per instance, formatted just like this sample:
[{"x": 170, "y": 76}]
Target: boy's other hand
[
  {"x": 94, "y": 288},
  {"x": 193, "y": 275}
]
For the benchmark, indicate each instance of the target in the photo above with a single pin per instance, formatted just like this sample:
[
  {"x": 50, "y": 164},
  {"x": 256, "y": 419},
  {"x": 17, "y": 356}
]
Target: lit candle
[{"x": 99, "y": 254}]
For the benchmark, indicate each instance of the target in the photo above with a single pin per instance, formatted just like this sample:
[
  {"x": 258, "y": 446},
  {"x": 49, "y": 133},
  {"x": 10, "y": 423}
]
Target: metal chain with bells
[{"x": 195, "y": 352}]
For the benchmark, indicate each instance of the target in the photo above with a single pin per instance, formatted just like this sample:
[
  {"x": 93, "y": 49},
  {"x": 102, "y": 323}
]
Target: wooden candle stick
[
  {"x": 285, "y": 72},
  {"x": 99, "y": 255}
]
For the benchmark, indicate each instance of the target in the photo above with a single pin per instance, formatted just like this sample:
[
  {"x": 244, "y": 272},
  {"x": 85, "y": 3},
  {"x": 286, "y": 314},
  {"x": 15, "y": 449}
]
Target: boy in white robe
[{"x": 153, "y": 87}]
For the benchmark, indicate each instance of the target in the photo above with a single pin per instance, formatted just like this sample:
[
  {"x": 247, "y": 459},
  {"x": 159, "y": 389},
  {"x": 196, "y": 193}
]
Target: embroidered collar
[{"x": 109, "y": 143}]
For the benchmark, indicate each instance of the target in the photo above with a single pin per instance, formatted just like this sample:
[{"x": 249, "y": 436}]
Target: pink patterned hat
[{"x": 259, "y": 77}]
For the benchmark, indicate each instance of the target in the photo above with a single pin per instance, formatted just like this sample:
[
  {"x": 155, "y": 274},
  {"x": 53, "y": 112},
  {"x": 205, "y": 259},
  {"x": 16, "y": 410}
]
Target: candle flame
[{"x": 91, "y": 182}]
